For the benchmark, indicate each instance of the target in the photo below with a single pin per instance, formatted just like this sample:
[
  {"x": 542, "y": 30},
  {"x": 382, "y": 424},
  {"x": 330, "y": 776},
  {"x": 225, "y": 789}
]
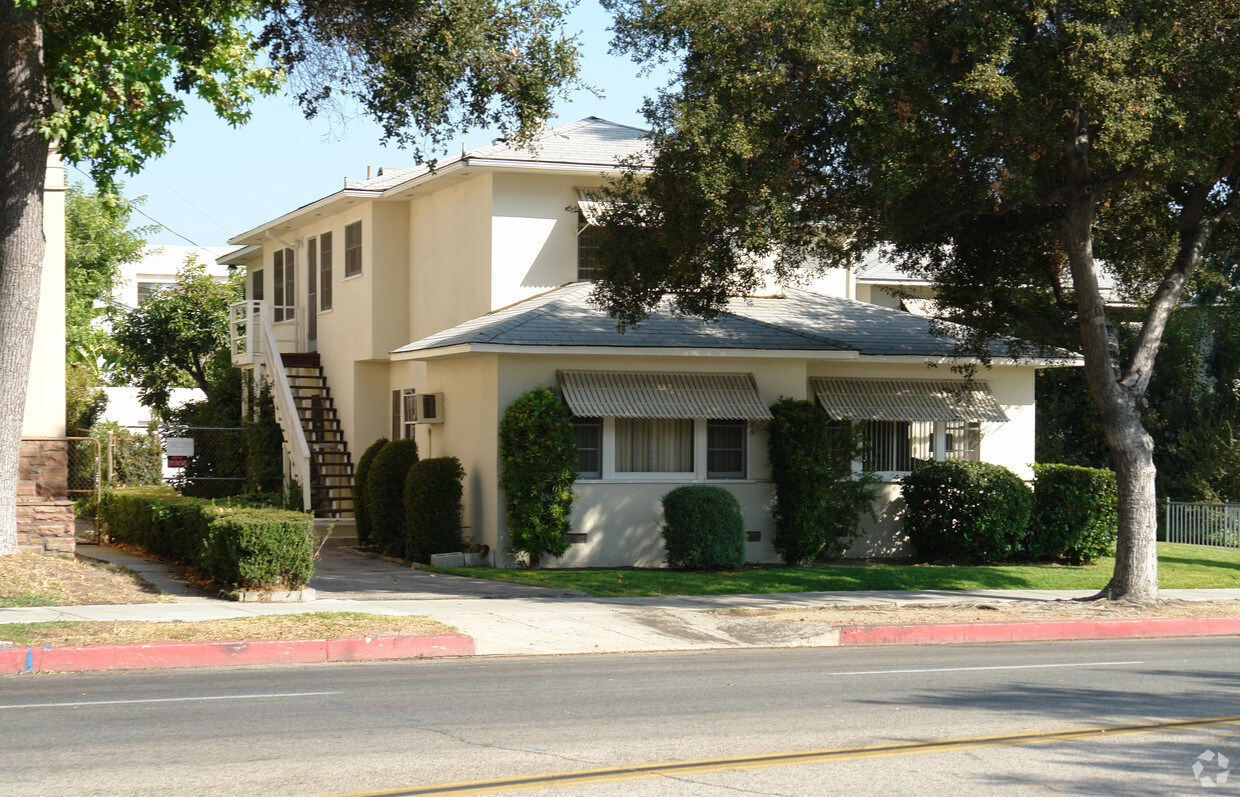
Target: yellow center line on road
[{"x": 554, "y": 780}]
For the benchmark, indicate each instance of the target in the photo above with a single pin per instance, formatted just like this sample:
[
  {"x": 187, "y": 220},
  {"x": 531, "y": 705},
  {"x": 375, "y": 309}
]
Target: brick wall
[{"x": 44, "y": 512}]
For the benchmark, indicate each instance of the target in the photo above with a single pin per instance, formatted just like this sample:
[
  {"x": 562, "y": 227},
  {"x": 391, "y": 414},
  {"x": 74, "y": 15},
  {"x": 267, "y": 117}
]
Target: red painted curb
[
  {"x": 1038, "y": 631},
  {"x": 163, "y": 655}
]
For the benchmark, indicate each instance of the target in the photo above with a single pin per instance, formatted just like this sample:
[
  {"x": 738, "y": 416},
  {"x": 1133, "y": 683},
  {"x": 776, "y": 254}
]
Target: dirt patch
[
  {"x": 1004, "y": 612},
  {"x": 316, "y": 625},
  {"x": 43, "y": 580}
]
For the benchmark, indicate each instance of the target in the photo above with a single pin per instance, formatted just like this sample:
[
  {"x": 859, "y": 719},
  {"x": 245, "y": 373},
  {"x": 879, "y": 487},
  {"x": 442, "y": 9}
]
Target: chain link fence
[{"x": 204, "y": 461}]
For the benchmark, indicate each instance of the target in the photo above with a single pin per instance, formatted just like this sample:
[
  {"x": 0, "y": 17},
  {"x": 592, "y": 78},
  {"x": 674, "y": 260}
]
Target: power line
[{"x": 133, "y": 207}]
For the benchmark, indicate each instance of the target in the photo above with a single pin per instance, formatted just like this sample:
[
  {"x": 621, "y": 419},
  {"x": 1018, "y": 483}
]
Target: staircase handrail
[{"x": 286, "y": 408}]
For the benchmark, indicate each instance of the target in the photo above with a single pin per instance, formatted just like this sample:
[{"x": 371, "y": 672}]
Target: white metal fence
[{"x": 1204, "y": 524}]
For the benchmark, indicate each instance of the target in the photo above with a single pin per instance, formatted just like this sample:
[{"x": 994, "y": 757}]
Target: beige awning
[
  {"x": 626, "y": 394},
  {"x": 592, "y": 205},
  {"x": 907, "y": 400},
  {"x": 923, "y": 307}
]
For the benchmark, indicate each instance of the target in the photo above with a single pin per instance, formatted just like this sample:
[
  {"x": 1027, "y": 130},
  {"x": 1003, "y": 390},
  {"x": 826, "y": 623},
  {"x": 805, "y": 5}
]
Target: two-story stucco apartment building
[{"x": 420, "y": 303}]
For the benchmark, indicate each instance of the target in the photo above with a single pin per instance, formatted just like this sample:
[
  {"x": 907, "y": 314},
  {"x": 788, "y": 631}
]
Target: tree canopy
[
  {"x": 170, "y": 338},
  {"x": 105, "y": 79},
  {"x": 98, "y": 241},
  {"x": 1002, "y": 149}
]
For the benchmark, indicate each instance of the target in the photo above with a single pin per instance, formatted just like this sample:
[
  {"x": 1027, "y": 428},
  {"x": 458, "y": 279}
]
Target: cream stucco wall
[
  {"x": 534, "y": 225},
  {"x": 45, "y": 392},
  {"x": 621, "y": 518},
  {"x": 449, "y": 256}
]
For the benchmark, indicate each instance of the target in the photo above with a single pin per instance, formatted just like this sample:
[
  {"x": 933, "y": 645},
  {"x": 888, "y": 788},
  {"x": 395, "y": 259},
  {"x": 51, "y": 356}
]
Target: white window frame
[
  {"x": 932, "y": 446},
  {"x": 607, "y": 459},
  {"x": 359, "y": 248}
]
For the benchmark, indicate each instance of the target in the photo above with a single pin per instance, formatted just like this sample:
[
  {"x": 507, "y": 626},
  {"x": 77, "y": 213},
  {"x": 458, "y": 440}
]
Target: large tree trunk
[
  {"x": 1117, "y": 396},
  {"x": 23, "y": 103}
]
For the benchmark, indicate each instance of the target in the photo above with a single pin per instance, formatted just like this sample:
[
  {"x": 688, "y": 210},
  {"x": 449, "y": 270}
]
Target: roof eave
[{"x": 254, "y": 236}]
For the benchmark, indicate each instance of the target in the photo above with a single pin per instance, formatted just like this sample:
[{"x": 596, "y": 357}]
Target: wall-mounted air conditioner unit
[{"x": 430, "y": 407}]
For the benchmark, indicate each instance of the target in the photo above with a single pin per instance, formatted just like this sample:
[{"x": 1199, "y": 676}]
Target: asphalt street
[{"x": 1117, "y": 718}]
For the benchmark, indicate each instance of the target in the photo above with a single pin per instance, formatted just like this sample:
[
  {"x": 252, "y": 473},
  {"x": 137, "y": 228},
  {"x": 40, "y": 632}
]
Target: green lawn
[{"x": 1180, "y": 567}]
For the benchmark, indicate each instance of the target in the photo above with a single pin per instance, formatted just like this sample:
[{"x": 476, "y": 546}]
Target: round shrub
[
  {"x": 966, "y": 510},
  {"x": 1074, "y": 513},
  {"x": 433, "y": 507},
  {"x": 385, "y": 495},
  {"x": 538, "y": 453},
  {"x": 361, "y": 518},
  {"x": 703, "y": 528}
]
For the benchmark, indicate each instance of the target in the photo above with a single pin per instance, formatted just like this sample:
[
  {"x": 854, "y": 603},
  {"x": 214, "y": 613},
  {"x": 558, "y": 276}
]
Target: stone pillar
[{"x": 45, "y": 522}]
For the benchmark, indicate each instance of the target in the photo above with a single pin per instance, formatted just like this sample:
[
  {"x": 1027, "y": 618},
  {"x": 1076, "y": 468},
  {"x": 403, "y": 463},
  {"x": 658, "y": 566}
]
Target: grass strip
[{"x": 1180, "y": 567}]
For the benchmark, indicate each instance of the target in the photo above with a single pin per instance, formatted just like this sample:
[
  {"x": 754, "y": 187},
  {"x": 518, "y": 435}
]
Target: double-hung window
[
  {"x": 353, "y": 249},
  {"x": 285, "y": 296},
  {"x": 325, "y": 271}
]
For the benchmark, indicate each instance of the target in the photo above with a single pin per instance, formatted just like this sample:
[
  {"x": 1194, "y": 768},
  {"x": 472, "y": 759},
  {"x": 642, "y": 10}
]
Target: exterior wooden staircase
[{"x": 331, "y": 467}]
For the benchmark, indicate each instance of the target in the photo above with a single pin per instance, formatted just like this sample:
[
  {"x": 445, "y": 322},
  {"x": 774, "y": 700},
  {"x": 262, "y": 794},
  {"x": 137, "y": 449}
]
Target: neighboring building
[
  {"x": 44, "y": 513},
  {"x": 158, "y": 269},
  {"x": 483, "y": 263}
]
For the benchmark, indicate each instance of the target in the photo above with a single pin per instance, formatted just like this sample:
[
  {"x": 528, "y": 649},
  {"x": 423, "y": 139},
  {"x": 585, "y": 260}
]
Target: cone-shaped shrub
[
  {"x": 361, "y": 517},
  {"x": 385, "y": 495},
  {"x": 433, "y": 507}
]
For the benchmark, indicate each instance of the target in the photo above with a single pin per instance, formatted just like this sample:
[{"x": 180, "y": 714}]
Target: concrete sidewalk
[{"x": 513, "y": 619}]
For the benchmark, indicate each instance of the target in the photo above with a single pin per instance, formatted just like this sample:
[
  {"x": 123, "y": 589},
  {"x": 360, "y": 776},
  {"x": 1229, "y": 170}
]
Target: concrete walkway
[{"x": 513, "y": 619}]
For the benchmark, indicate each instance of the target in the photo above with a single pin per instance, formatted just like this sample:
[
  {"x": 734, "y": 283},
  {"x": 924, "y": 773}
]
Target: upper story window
[
  {"x": 256, "y": 285},
  {"x": 589, "y": 253},
  {"x": 145, "y": 289},
  {"x": 283, "y": 269},
  {"x": 353, "y": 249},
  {"x": 325, "y": 271}
]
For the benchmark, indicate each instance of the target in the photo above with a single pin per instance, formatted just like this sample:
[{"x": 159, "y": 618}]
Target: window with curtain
[{"x": 654, "y": 445}]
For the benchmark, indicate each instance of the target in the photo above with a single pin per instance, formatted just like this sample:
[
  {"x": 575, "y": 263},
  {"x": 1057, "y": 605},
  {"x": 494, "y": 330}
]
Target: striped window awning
[
  {"x": 592, "y": 205},
  {"x": 907, "y": 400},
  {"x": 628, "y": 394}
]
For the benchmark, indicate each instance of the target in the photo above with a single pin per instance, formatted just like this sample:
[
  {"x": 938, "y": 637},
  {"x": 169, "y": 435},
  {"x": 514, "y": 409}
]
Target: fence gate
[
  {"x": 83, "y": 478},
  {"x": 1203, "y": 524}
]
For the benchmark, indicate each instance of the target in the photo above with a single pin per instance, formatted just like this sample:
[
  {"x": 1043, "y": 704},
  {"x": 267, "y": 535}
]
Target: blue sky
[{"x": 216, "y": 181}]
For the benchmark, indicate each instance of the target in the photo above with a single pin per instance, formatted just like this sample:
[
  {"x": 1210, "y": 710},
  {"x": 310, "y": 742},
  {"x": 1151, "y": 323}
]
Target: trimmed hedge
[
  {"x": 819, "y": 501},
  {"x": 1074, "y": 513},
  {"x": 704, "y": 528},
  {"x": 361, "y": 517},
  {"x": 538, "y": 454},
  {"x": 242, "y": 547},
  {"x": 433, "y": 507},
  {"x": 966, "y": 510},
  {"x": 260, "y": 549},
  {"x": 385, "y": 495}
]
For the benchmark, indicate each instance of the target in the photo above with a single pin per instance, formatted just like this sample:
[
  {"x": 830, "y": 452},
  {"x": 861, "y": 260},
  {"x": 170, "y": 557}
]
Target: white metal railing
[
  {"x": 244, "y": 336},
  {"x": 268, "y": 356},
  {"x": 1203, "y": 524}
]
